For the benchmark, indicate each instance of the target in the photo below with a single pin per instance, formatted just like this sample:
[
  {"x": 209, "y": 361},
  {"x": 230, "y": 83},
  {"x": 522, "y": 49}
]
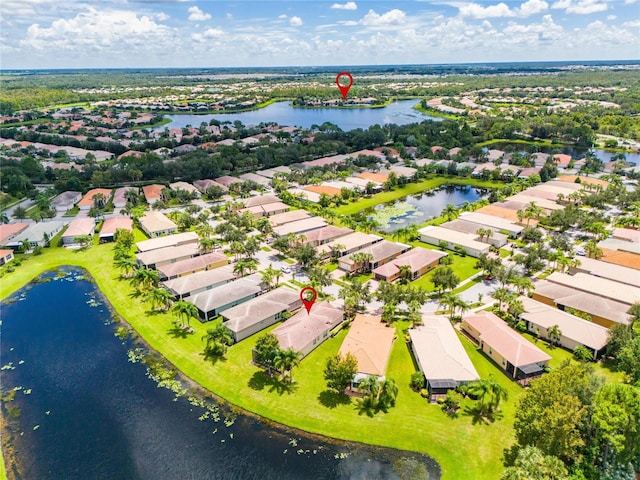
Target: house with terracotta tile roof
[
  {"x": 370, "y": 341},
  {"x": 110, "y": 225},
  {"x": 182, "y": 287},
  {"x": 10, "y": 230},
  {"x": 379, "y": 178},
  {"x": 203, "y": 185},
  {"x": 228, "y": 180},
  {"x": 89, "y": 201},
  {"x": 77, "y": 228},
  {"x": 440, "y": 356},
  {"x": 260, "y": 312},
  {"x": 5, "y": 256},
  {"x": 305, "y": 331},
  {"x": 208, "y": 261},
  {"x": 518, "y": 357},
  {"x": 187, "y": 187},
  {"x": 320, "y": 189},
  {"x": 152, "y": 193},
  {"x": 419, "y": 260}
]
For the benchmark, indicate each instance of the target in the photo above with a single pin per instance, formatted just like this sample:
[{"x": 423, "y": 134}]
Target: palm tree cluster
[
  {"x": 378, "y": 395},
  {"x": 489, "y": 392},
  {"x": 394, "y": 294}
]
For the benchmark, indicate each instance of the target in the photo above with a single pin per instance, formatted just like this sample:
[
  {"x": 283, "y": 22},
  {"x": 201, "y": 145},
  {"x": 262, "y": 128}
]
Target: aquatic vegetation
[
  {"x": 121, "y": 333},
  {"x": 8, "y": 366},
  {"x": 395, "y": 213}
]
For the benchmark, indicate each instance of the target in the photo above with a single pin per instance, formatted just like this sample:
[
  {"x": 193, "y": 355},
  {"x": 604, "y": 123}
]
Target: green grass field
[
  {"x": 410, "y": 189},
  {"x": 465, "y": 447}
]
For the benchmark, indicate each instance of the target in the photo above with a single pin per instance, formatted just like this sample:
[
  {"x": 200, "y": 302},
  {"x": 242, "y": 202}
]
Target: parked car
[
  {"x": 581, "y": 252},
  {"x": 285, "y": 269}
]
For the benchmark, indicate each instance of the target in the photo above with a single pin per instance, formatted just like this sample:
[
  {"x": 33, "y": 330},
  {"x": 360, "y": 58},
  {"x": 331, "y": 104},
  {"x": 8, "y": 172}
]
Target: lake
[
  {"x": 85, "y": 407},
  {"x": 400, "y": 113},
  {"x": 422, "y": 207}
]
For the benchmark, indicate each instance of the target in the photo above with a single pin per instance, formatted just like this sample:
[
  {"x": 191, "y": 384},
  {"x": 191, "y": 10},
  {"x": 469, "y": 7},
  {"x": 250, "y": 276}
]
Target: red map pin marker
[
  {"x": 305, "y": 299},
  {"x": 344, "y": 88}
]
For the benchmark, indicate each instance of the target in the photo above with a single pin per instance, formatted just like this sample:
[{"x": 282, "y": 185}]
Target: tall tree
[
  {"x": 285, "y": 361},
  {"x": 339, "y": 372}
]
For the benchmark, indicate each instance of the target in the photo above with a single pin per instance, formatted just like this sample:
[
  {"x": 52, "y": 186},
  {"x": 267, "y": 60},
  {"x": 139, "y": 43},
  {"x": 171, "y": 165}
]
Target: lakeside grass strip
[
  {"x": 464, "y": 447},
  {"x": 412, "y": 189}
]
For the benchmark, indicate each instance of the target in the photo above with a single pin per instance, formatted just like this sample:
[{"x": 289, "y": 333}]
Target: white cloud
[
  {"x": 475, "y": 10},
  {"x": 295, "y": 21},
  {"x": 161, "y": 16},
  {"x": 282, "y": 17},
  {"x": 345, "y": 6},
  {"x": 633, "y": 24},
  {"x": 229, "y": 16},
  {"x": 392, "y": 17},
  {"x": 197, "y": 15},
  {"x": 581, "y": 7},
  {"x": 611, "y": 17},
  {"x": 631, "y": 1},
  {"x": 532, "y": 7}
]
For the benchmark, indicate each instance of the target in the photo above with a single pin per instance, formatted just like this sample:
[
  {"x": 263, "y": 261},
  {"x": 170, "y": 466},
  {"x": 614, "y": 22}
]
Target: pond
[
  {"x": 422, "y": 207},
  {"x": 80, "y": 404},
  {"x": 399, "y": 113},
  {"x": 576, "y": 153}
]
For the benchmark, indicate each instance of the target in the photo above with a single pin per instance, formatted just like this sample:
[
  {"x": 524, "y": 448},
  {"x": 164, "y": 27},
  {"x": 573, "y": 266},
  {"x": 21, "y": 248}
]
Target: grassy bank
[
  {"x": 464, "y": 447},
  {"x": 410, "y": 189}
]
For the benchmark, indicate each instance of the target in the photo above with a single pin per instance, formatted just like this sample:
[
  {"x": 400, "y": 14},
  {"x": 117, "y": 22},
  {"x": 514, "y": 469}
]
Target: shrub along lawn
[{"x": 409, "y": 189}]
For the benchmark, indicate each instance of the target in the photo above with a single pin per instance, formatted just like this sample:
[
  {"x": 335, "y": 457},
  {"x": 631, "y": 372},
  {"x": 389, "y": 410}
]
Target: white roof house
[
  {"x": 575, "y": 331},
  {"x": 299, "y": 226},
  {"x": 167, "y": 241},
  {"x": 498, "y": 223},
  {"x": 434, "y": 235},
  {"x": 78, "y": 227},
  {"x": 606, "y": 288},
  {"x": 198, "y": 282},
  {"x": 37, "y": 234},
  {"x": 162, "y": 256},
  {"x": 439, "y": 352},
  {"x": 155, "y": 224},
  {"x": 211, "y": 303}
]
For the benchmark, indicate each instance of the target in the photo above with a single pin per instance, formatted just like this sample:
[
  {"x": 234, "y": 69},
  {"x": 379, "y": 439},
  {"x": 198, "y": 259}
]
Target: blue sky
[{"x": 210, "y": 33}]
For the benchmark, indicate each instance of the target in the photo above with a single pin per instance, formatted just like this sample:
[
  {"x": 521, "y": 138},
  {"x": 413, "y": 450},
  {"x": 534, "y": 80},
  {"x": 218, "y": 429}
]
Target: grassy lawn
[
  {"x": 463, "y": 267},
  {"x": 72, "y": 213},
  {"x": 409, "y": 189},
  {"x": 464, "y": 450}
]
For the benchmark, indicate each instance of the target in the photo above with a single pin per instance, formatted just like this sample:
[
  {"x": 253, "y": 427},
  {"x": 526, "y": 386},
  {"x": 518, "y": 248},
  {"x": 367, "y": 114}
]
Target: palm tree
[
  {"x": 481, "y": 389},
  {"x": 159, "y": 297},
  {"x": 503, "y": 296},
  {"x": 592, "y": 250},
  {"x": 4, "y": 218},
  {"x": 185, "y": 310},
  {"x": 217, "y": 338},
  {"x": 319, "y": 277},
  {"x": 554, "y": 333},
  {"x": 206, "y": 244},
  {"x": 362, "y": 261},
  {"x": 498, "y": 392},
  {"x": 285, "y": 361},
  {"x": 450, "y": 211},
  {"x": 406, "y": 275},
  {"x": 99, "y": 200},
  {"x": 268, "y": 276},
  {"x": 522, "y": 284},
  {"x": 484, "y": 232},
  {"x": 145, "y": 278},
  {"x": 450, "y": 300}
]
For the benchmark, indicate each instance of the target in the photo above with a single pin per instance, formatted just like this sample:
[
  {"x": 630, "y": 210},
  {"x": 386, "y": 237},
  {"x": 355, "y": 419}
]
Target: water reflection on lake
[
  {"x": 422, "y": 207},
  {"x": 84, "y": 408},
  {"x": 399, "y": 113}
]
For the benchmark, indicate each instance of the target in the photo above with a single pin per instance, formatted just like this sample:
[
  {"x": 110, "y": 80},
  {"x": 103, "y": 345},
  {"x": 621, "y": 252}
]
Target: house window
[{"x": 490, "y": 351}]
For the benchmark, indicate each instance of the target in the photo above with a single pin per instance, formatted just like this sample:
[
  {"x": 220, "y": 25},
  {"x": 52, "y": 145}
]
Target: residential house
[
  {"x": 37, "y": 234},
  {"x": 305, "y": 331},
  {"x": 228, "y": 180},
  {"x": 5, "y": 256},
  {"x": 155, "y": 224},
  {"x": 163, "y": 256},
  {"x": 185, "y": 286},
  {"x": 300, "y": 226},
  {"x": 65, "y": 201},
  {"x": 10, "y": 230},
  {"x": 119, "y": 197},
  {"x": 168, "y": 241},
  {"x": 288, "y": 217},
  {"x": 370, "y": 341},
  {"x": 509, "y": 227},
  {"x": 323, "y": 235},
  {"x": 496, "y": 238},
  {"x": 153, "y": 193},
  {"x": 187, "y": 187},
  {"x": 381, "y": 253},
  {"x": 440, "y": 356},
  {"x": 574, "y": 331},
  {"x": 212, "y": 303},
  {"x": 208, "y": 261},
  {"x": 347, "y": 244},
  {"x": 260, "y": 200},
  {"x": 610, "y": 271},
  {"x": 602, "y": 311},
  {"x": 260, "y": 312},
  {"x": 91, "y": 198},
  {"x": 110, "y": 225},
  {"x": 518, "y": 357},
  {"x": 203, "y": 185},
  {"x": 77, "y": 228},
  {"x": 419, "y": 260},
  {"x": 436, "y": 235},
  {"x": 255, "y": 178},
  {"x": 272, "y": 172},
  {"x": 603, "y": 287},
  {"x": 626, "y": 234}
]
